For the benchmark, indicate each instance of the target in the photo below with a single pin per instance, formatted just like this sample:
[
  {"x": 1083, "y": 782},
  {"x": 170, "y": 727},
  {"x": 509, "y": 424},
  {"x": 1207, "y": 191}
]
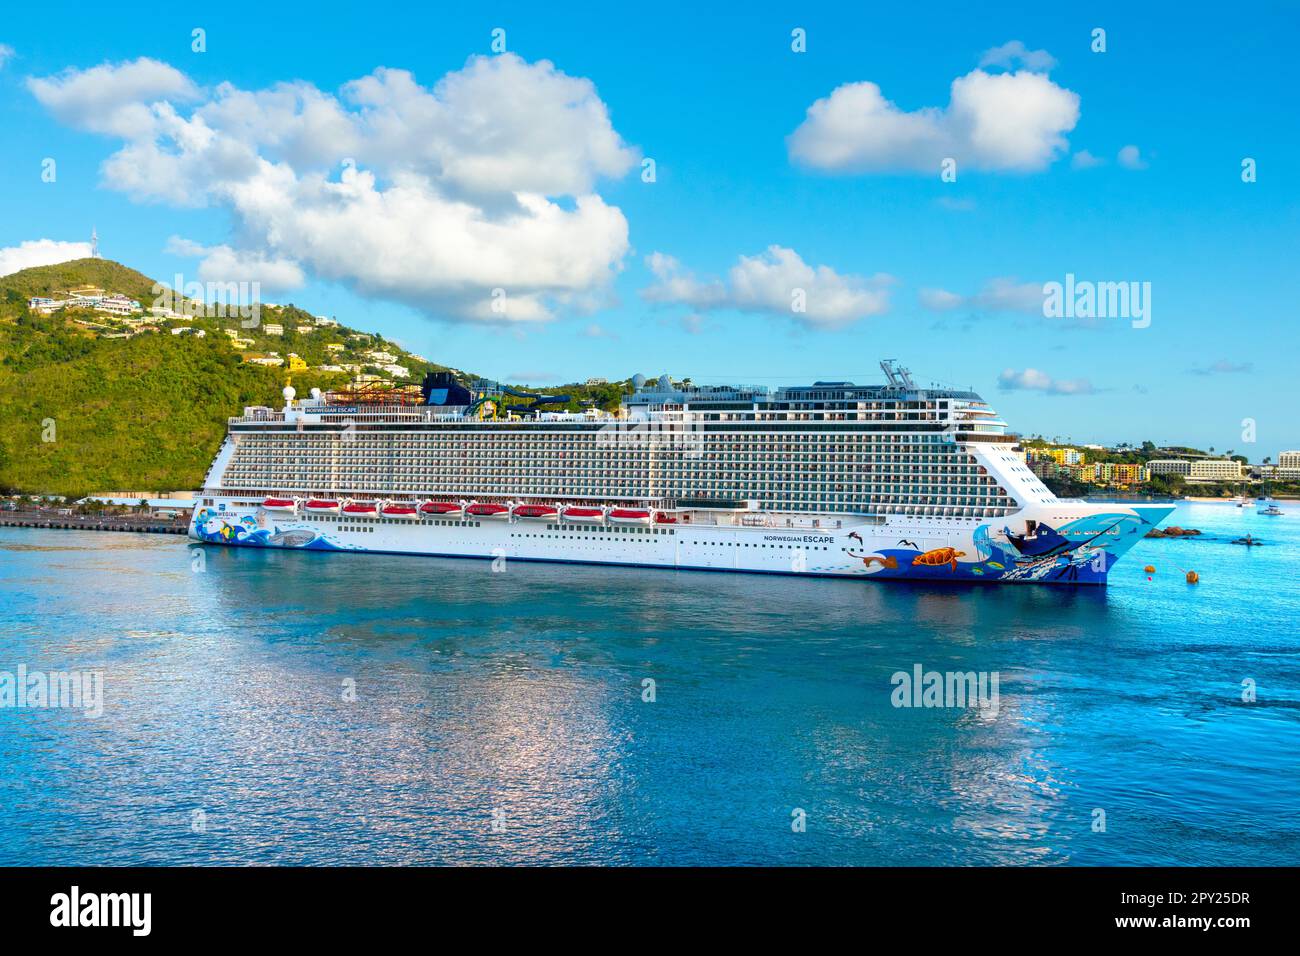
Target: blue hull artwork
[
  {"x": 1079, "y": 552},
  {"x": 216, "y": 528}
]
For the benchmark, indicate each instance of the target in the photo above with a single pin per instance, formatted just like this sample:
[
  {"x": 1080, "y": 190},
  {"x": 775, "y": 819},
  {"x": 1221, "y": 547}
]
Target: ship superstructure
[{"x": 833, "y": 478}]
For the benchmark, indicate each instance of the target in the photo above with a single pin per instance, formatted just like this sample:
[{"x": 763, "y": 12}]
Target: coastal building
[
  {"x": 324, "y": 320},
  {"x": 381, "y": 358},
  {"x": 334, "y": 346},
  {"x": 306, "y": 329},
  {"x": 263, "y": 358},
  {"x": 1198, "y": 470},
  {"x": 1216, "y": 469},
  {"x": 296, "y": 364},
  {"x": 1287, "y": 467},
  {"x": 117, "y": 305},
  {"x": 397, "y": 371},
  {"x": 273, "y": 328},
  {"x": 1118, "y": 474}
]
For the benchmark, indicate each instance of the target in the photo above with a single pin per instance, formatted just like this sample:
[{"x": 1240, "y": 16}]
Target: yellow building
[{"x": 296, "y": 364}]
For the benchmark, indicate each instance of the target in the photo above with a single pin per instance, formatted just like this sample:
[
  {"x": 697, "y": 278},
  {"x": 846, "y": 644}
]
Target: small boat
[
  {"x": 537, "y": 512},
  {"x": 1265, "y": 505},
  {"x": 363, "y": 509},
  {"x": 587, "y": 515},
  {"x": 442, "y": 509},
  {"x": 488, "y": 511},
  {"x": 280, "y": 505},
  {"x": 397, "y": 509},
  {"x": 321, "y": 506},
  {"x": 629, "y": 516},
  {"x": 664, "y": 518}
]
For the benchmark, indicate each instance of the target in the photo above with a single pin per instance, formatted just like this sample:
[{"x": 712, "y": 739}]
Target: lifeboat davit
[
  {"x": 321, "y": 506},
  {"x": 629, "y": 516},
  {"x": 400, "y": 510},
  {"x": 589, "y": 515},
  {"x": 664, "y": 518},
  {"x": 280, "y": 505},
  {"x": 488, "y": 511},
  {"x": 365, "y": 509},
  {"x": 537, "y": 512},
  {"x": 442, "y": 509}
]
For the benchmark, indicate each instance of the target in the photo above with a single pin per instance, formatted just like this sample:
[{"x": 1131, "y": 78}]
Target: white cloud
[
  {"x": 222, "y": 264},
  {"x": 1031, "y": 379},
  {"x": 997, "y": 122},
  {"x": 998, "y": 295},
  {"x": 40, "y": 252},
  {"x": 6, "y": 53},
  {"x": 116, "y": 99},
  {"x": 776, "y": 282},
  {"x": 1130, "y": 157},
  {"x": 1014, "y": 53},
  {"x": 473, "y": 199},
  {"x": 1085, "y": 160}
]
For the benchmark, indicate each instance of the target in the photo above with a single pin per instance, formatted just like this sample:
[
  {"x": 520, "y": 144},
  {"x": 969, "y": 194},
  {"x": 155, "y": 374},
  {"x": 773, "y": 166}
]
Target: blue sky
[{"x": 899, "y": 262}]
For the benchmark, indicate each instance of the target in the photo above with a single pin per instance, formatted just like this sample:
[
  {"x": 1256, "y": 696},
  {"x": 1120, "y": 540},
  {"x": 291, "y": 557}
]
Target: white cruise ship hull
[{"x": 1070, "y": 542}]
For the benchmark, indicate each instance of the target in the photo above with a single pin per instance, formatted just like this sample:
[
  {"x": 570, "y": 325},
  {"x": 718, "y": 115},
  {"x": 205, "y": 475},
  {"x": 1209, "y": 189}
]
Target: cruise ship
[{"x": 890, "y": 481}]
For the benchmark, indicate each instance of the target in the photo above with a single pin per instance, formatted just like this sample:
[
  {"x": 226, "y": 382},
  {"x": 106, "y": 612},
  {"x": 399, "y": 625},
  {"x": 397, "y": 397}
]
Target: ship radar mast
[{"x": 897, "y": 376}]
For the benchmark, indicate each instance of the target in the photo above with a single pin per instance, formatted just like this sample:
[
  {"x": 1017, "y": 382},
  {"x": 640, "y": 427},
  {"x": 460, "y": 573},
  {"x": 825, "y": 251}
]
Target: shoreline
[
  {"x": 137, "y": 525},
  {"x": 1225, "y": 501}
]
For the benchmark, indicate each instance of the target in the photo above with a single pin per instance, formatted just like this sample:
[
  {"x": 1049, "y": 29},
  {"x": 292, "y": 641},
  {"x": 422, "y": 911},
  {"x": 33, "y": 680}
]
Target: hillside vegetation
[{"x": 81, "y": 412}]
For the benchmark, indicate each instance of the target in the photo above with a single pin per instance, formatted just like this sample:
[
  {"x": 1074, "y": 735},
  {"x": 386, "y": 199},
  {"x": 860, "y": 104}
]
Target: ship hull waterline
[{"x": 1079, "y": 548}]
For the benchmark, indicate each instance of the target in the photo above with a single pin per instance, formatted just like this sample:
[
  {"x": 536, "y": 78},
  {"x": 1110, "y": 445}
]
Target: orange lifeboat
[
  {"x": 397, "y": 509},
  {"x": 321, "y": 506},
  {"x": 629, "y": 516},
  {"x": 587, "y": 515},
  {"x": 280, "y": 505},
  {"x": 361, "y": 509},
  {"x": 664, "y": 518},
  {"x": 442, "y": 509},
  {"x": 537, "y": 512}
]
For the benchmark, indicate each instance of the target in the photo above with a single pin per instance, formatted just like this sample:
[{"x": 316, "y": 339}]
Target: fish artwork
[{"x": 292, "y": 539}]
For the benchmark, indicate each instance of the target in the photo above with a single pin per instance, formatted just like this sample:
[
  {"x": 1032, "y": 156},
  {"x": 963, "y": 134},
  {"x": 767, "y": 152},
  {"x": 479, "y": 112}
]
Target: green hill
[
  {"x": 129, "y": 409},
  {"x": 101, "y": 273}
]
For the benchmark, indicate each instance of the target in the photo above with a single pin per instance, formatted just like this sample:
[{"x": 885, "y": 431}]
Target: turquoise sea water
[{"x": 499, "y": 717}]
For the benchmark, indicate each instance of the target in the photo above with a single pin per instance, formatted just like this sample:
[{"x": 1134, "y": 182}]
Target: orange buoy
[
  {"x": 1150, "y": 569},
  {"x": 1192, "y": 577}
]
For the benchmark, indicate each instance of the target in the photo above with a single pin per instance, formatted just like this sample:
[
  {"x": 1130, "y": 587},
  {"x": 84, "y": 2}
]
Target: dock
[{"x": 135, "y": 524}]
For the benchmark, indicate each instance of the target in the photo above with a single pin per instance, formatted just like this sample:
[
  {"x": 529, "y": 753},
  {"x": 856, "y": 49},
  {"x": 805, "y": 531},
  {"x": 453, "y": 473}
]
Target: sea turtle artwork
[{"x": 939, "y": 556}]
